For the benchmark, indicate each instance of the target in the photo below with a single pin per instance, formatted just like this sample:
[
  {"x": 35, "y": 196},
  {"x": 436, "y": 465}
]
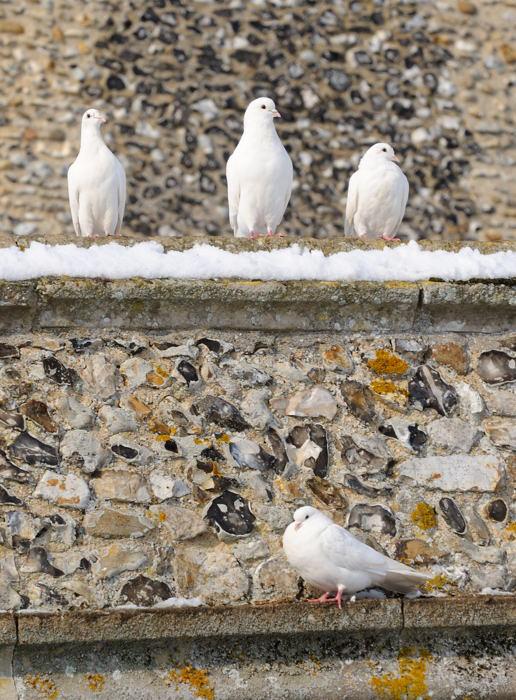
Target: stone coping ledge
[
  {"x": 348, "y": 307},
  {"x": 281, "y": 619},
  {"x": 230, "y": 243}
]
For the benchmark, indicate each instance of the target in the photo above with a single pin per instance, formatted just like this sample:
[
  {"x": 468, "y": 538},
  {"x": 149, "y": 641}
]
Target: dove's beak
[
  {"x": 395, "y": 159},
  {"x": 275, "y": 113},
  {"x": 102, "y": 118},
  {"x": 297, "y": 526}
]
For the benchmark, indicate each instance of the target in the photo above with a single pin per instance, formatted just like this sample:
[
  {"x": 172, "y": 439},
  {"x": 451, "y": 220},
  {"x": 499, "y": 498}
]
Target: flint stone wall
[
  {"x": 434, "y": 78},
  {"x": 154, "y": 458}
]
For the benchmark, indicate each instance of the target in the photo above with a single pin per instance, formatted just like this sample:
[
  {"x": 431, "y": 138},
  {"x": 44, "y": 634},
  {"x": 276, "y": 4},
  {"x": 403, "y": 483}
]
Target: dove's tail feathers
[{"x": 402, "y": 579}]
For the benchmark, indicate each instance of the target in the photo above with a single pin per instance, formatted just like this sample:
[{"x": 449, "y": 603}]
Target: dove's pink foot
[
  {"x": 385, "y": 237},
  {"x": 270, "y": 232},
  {"x": 254, "y": 235}
]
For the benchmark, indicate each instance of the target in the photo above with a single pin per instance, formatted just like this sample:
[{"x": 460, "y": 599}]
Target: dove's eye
[
  {"x": 263, "y": 107},
  {"x": 88, "y": 115},
  {"x": 384, "y": 150},
  {"x": 306, "y": 517}
]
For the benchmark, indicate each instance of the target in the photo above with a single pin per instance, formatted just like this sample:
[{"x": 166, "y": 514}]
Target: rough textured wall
[
  {"x": 432, "y": 77},
  {"x": 134, "y": 468}
]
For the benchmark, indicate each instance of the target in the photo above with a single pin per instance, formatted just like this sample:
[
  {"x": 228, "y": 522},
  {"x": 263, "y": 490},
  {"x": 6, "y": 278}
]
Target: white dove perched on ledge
[
  {"x": 328, "y": 557},
  {"x": 259, "y": 174},
  {"x": 96, "y": 182},
  {"x": 377, "y": 195}
]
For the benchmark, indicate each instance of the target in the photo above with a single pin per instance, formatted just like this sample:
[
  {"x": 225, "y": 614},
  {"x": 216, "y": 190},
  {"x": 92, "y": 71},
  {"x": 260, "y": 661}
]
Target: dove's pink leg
[
  {"x": 254, "y": 235},
  {"x": 385, "y": 237},
  {"x": 325, "y": 598}
]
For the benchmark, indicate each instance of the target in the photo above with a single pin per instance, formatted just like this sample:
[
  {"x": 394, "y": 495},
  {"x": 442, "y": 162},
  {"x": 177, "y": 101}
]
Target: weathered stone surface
[
  {"x": 68, "y": 491},
  {"x": 82, "y": 449},
  {"x": 372, "y": 519},
  {"x": 497, "y": 367},
  {"x": 274, "y": 578},
  {"x": 111, "y": 524},
  {"x": 250, "y": 455},
  {"x": 452, "y": 515},
  {"x": 181, "y": 523},
  {"x": 29, "y": 450},
  {"x": 230, "y": 514},
  {"x": 121, "y": 485},
  {"x": 453, "y": 435},
  {"x": 144, "y": 592},
  {"x": 164, "y": 486},
  {"x": 454, "y": 473},
  {"x": 427, "y": 389},
  {"x": 116, "y": 559},
  {"x": 417, "y": 552},
  {"x": 451, "y": 354},
  {"x": 312, "y": 403},
  {"x": 210, "y": 574},
  {"x": 501, "y": 431},
  {"x": 359, "y": 400},
  {"x": 73, "y": 412},
  {"x": 38, "y": 412},
  {"x": 223, "y": 413}
]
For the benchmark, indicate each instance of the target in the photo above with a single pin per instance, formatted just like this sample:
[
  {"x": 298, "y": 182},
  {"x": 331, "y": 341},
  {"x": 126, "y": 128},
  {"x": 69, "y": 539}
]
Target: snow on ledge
[{"x": 113, "y": 261}]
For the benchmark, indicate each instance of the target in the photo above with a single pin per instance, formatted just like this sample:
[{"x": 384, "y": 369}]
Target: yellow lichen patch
[
  {"x": 387, "y": 362},
  {"x": 409, "y": 684},
  {"x": 96, "y": 682},
  {"x": 201, "y": 441},
  {"x": 511, "y": 530},
  {"x": 196, "y": 678},
  {"x": 223, "y": 437},
  {"x": 424, "y": 516},
  {"x": 436, "y": 583},
  {"x": 386, "y": 386},
  {"x": 155, "y": 378},
  {"x": 46, "y": 687}
]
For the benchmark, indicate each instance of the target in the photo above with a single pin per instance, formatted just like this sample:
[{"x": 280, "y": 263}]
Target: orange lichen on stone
[
  {"x": 409, "y": 684},
  {"x": 196, "y": 678},
  {"x": 155, "y": 378},
  {"x": 96, "y": 682},
  {"x": 387, "y": 362},
  {"x": 424, "y": 516},
  {"x": 386, "y": 386},
  {"x": 436, "y": 583},
  {"x": 511, "y": 530},
  {"x": 157, "y": 426},
  {"x": 223, "y": 437},
  {"x": 46, "y": 687}
]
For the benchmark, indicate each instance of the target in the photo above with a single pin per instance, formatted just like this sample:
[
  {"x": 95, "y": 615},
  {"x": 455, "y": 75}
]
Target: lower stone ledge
[{"x": 283, "y": 619}]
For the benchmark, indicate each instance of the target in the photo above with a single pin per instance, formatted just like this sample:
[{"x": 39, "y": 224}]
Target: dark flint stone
[
  {"x": 8, "y": 351},
  {"x": 428, "y": 390},
  {"x": 359, "y": 456},
  {"x": 497, "y": 510},
  {"x": 359, "y": 400},
  {"x": 114, "y": 82},
  {"x": 171, "y": 446},
  {"x": 7, "y": 499},
  {"x": 278, "y": 449},
  {"x": 131, "y": 346},
  {"x": 298, "y": 436},
  {"x": 417, "y": 438},
  {"x": 362, "y": 58},
  {"x": 261, "y": 460},
  {"x": 38, "y": 412},
  {"x": 39, "y": 558},
  {"x": 212, "y": 454},
  {"x": 388, "y": 431},
  {"x": 124, "y": 451},
  {"x": 230, "y": 513},
  {"x": 59, "y": 373},
  {"x": 496, "y": 367},
  {"x": 32, "y": 451},
  {"x": 52, "y": 597},
  {"x": 144, "y": 592},
  {"x": 212, "y": 345},
  {"x": 366, "y": 517},
  {"x": 81, "y": 345},
  {"x": 351, "y": 482},
  {"x": 11, "y": 472},
  {"x": 317, "y": 434},
  {"x": 452, "y": 515},
  {"x": 225, "y": 414},
  {"x": 12, "y": 420},
  {"x": 187, "y": 371},
  {"x": 328, "y": 493}
]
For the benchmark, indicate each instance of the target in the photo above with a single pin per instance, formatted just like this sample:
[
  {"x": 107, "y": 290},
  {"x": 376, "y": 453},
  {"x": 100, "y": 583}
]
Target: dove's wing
[
  {"x": 345, "y": 551},
  {"x": 351, "y": 204},
  {"x": 233, "y": 191},
  {"x": 73, "y": 196},
  {"x": 121, "y": 191},
  {"x": 403, "y": 196}
]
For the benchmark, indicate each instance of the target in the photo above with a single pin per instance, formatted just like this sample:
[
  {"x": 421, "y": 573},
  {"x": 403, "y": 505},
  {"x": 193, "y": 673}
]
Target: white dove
[
  {"x": 329, "y": 558},
  {"x": 259, "y": 174},
  {"x": 377, "y": 195},
  {"x": 96, "y": 182}
]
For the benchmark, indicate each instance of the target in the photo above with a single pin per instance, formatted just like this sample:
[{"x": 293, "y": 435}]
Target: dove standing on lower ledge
[
  {"x": 96, "y": 182},
  {"x": 329, "y": 558},
  {"x": 259, "y": 174},
  {"x": 377, "y": 195}
]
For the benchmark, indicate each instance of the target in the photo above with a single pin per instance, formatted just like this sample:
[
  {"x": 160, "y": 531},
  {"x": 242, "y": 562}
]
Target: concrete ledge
[
  {"x": 354, "y": 307},
  {"x": 249, "y": 621},
  {"x": 8, "y": 633}
]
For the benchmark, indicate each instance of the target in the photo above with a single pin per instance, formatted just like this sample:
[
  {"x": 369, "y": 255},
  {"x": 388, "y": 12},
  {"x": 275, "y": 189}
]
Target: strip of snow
[{"x": 113, "y": 261}]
